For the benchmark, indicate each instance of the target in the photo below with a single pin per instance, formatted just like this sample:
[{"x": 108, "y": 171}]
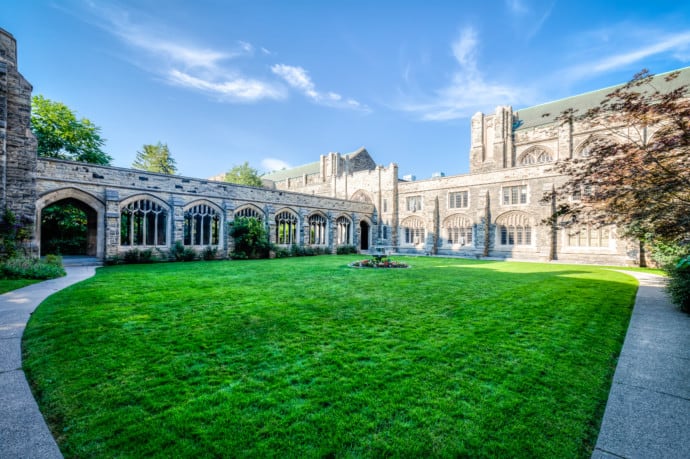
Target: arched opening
[
  {"x": 364, "y": 235},
  {"x": 69, "y": 227}
]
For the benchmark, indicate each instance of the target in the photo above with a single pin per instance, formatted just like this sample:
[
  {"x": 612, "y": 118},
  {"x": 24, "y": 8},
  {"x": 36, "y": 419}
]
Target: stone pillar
[
  {"x": 112, "y": 223},
  {"x": 228, "y": 245},
  {"x": 177, "y": 218}
]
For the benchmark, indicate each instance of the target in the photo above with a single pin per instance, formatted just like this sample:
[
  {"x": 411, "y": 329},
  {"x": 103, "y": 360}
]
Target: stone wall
[{"x": 17, "y": 143}]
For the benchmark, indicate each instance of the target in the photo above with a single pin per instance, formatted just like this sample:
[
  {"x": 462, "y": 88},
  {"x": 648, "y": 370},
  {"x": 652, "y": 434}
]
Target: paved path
[
  {"x": 23, "y": 432},
  {"x": 647, "y": 414},
  {"x": 648, "y": 410}
]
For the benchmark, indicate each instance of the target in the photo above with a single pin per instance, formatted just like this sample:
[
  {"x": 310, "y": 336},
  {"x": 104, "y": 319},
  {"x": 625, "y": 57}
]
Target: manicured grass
[
  {"x": 7, "y": 285},
  {"x": 306, "y": 357}
]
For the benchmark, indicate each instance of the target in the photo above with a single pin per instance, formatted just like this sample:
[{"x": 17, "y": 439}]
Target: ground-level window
[
  {"x": 458, "y": 199},
  {"x": 286, "y": 228},
  {"x": 515, "y": 229},
  {"x": 589, "y": 236},
  {"x": 317, "y": 230},
  {"x": 143, "y": 222},
  {"x": 515, "y": 194},
  {"x": 458, "y": 230},
  {"x": 413, "y": 231},
  {"x": 343, "y": 231},
  {"x": 201, "y": 225}
]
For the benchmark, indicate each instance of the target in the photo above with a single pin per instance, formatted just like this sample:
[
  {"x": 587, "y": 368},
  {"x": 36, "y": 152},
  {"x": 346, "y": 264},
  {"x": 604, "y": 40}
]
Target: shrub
[
  {"x": 29, "y": 268},
  {"x": 209, "y": 253},
  {"x": 281, "y": 252},
  {"x": 345, "y": 249},
  {"x": 131, "y": 256},
  {"x": 679, "y": 283},
  {"x": 54, "y": 260},
  {"x": 250, "y": 237}
]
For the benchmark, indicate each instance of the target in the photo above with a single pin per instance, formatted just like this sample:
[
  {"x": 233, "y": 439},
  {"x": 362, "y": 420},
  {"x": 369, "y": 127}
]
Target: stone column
[{"x": 112, "y": 223}]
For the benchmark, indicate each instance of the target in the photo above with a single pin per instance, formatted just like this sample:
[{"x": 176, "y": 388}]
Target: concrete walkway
[
  {"x": 23, "y": 432},
  {"x": 648, "y": 410},
  {"x": 647, "y": 414}
]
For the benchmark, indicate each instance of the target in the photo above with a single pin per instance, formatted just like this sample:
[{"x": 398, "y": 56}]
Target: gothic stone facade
[
  {"x": 128, "y": 209},
  {"x": 498, "y": 208}
]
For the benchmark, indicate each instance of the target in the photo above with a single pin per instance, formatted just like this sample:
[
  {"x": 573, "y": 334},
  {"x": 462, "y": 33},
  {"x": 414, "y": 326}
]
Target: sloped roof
[
  {"x": 299, "y": 171},
  {"x": 311, "y": 168},
  {"x": 538, "y": 115}
]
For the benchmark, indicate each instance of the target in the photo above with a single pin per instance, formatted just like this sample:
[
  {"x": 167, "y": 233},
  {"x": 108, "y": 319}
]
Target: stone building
[
  {"x": 343, "y": 199},
  {"x": 497, "y": 209}
]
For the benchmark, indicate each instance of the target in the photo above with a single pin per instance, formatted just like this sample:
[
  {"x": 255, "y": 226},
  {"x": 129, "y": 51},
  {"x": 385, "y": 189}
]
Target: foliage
[
  {"x": 54, "y": 260},
  {"x": 155, "y": 158},
  {"x": 679, "y": 283},
  {"x": 251, "y": 238},
  {"x": 61, "y": 135},
  {"x": 379, "y": 262},
  {"x": 640, "y": 183},
  {"x": 304, "y": 357},
  {"x": 63, "y": 229},
  {"x": 14, "y": 232},
  {"x": 667, "y": 255},
  {"x": 345, "y": 249},
  {"x": 139, "y": 256},
  {"x": 244, "y": 175},
  {"x": 209, "y": 253},
  {"x": 30, "y": 268},
  {"x": 179, "y": 252}
]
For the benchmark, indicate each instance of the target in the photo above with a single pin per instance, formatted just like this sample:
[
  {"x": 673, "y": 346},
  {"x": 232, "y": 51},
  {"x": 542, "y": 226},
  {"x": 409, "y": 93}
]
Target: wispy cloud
[
  {"x": 274, "y": 164},
  {"x": 181, "y": 63},
  {"x": 675, "y": 46},
  {"x": 468, "y": 90},
  {"x": 299, "y": 79},
  {"x": 237, "y": 89}
]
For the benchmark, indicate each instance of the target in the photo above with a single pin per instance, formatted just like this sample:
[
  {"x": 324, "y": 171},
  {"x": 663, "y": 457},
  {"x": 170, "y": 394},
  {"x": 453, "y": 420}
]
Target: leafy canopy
[
  {"x": 61, "y": 135},
  {"x": 251, "y": 238},
  {"x": 155, "y": 158},
  {"x": 244, "y": 175},
  {"x": 637, "y": 176}
]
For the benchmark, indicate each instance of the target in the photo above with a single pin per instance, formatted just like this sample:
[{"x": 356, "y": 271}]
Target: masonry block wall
[{"x": 17, "y": 143}]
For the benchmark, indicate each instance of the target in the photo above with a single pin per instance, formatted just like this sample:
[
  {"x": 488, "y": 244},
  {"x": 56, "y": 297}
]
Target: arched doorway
[
  {"x": 69, "y": 227},
  {"x": 364, "y": 235}
]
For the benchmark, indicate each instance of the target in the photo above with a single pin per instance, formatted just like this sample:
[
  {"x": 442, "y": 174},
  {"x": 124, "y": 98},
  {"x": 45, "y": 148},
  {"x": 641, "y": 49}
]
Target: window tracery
[
  {"x": 317, "y": 230},
  {"x": 201, "y": 225},
  {"x": 343, "y": 234},
  {"x": 286, "y": 228},
  {"x": 515, "y": 228},
  {"x": 143, "y": 223}
]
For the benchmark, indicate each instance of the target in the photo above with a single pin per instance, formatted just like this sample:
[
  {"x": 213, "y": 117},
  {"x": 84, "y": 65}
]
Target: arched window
[
  {"x": 201, "y": 225},
  {"x": 458, "y": 230},
  {"x": 343, "y": 231},
  {"x": 317, "y": 230},
  {"x": 249, "y": 212},
  {"x": 535, "y": 155},
  {"x": 413, "y": 231},
  {"x": 515, "y": 228},
  {"x": 286, "y": 228},
  {"x": 143, "y": 223}
]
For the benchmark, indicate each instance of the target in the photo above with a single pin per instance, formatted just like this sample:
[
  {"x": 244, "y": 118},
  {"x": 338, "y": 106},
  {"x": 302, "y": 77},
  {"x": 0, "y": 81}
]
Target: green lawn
[
  {"x": 305, "y": 357},
  {"x": 7, "y": 285}
]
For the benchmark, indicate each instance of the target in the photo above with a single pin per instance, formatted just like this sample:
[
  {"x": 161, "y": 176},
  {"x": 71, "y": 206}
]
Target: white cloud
[
  {"x": 298, "y": 78},
  {"x": 238, "y": 89},
  {"x": 274, "y": 164},
  {"x": 675, "y": 45},
  {"x": 468, "y": 90},
  {"x": 516, "y": 6}
]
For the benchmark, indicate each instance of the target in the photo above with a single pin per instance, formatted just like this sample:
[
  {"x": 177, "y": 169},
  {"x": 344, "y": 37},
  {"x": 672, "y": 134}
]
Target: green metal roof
[
  {"x": 299, "y": 171},
  {"x": 538, "y": 115}
]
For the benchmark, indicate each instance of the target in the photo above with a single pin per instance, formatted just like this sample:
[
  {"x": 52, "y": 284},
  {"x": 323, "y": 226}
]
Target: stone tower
[{"x": 17, "y": 142}]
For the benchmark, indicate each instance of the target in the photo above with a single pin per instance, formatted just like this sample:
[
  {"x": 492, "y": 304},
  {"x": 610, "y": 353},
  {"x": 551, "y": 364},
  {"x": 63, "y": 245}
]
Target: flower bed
[{"x": 378, "y": 262}]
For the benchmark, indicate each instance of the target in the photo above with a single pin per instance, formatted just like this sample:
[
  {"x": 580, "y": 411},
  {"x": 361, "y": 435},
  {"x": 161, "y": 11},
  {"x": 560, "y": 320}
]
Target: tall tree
[
  {"x": 244, "y": 175},
  {"x": 155, "y": 158},
  {"x": 61, "y": 135},
  {"x": 638, "y": 176}
]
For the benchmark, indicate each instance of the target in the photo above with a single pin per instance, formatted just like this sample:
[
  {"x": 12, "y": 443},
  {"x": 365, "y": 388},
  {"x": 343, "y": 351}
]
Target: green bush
[
  {"x": 30, "y": 268},
  {"x": 55, "y": 260},
  {"x": 209, "y": 253},
  {"x": 679, "y": 283},
  {"x": 345, "y": 249},
  {"x": 281, "y": 252},
  {"x": 179, "y": 252},
  {"x": 250, "y": 238}
]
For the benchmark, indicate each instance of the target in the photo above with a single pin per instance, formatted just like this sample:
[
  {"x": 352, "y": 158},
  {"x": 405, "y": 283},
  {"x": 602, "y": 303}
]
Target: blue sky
[{"x": 278, "y": 83}]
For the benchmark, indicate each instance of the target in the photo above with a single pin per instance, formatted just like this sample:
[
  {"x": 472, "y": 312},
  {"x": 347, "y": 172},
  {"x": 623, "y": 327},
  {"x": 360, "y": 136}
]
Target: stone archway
[
  {"x": 91, "y": 219},
  {"x": 68, "y": 227},
  {"x": 364, "y": 230}
]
